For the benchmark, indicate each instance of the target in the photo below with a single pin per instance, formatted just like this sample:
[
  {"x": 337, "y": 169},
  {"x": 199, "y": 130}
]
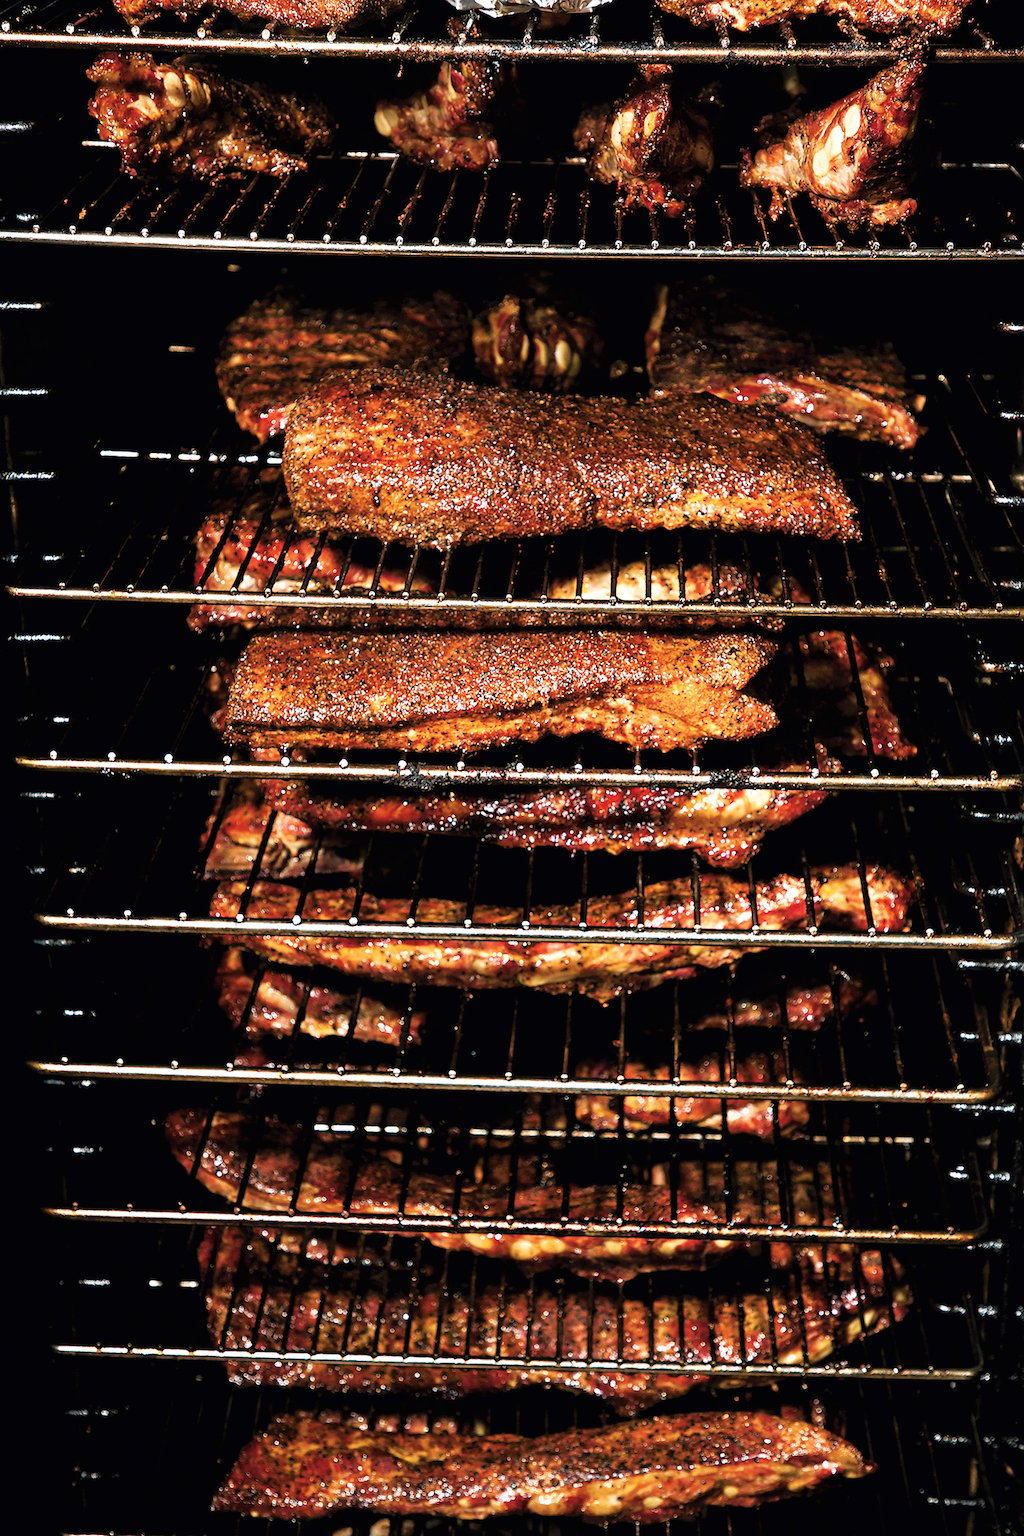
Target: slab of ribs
[
  {"x": 447, "y": 125},
  {"x": 261, "y": 1000},
  {"x": 262, "y": 1164},
  {"x": 279, "y": 347},
  {"x": 653, "y": 147},
  {"x": 244, "y": 834},
  {"x": 701, "y": 338},
  {"x": 852, "y": 157},
  {"x": 531, "y": 1333},
  {"x": 435, "y": 460},
  {"x": 319, "y": 15},
  {"x": 305, "y": 1465},
  {"x": 182, "y": 118},
  {"x": 434, "y": 691},
  {"x": 924, "y": 16},
  {"x": 600, "y": 968}
]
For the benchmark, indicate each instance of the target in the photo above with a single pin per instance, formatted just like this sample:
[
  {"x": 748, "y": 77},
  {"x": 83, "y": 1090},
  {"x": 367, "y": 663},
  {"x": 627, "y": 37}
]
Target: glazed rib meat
[
  {"x": 445, "y": 126},
  {"x": 301, "y": 14},
  {"x": 279, "y": 348},
  {"x": 264, "y": 1164},
  {"x": 653, "y": 147},
  {"x": 265, "y": 1001},
  {"x": 702, "y": 339},
  {"x": 530, "y": 1331},
  {"x": 248, "y": 830},
  {"x": 249, "y": 543},
  {"x": 652, "y": 1469},
  {"x": 925, "y": 16},
  {"x": 529, "y": 343},
  {"x": 740, "y": 1117},
  {"x": 600, "y": 968},
  {"x": 430, "y": 459},
  {"x": 182, "y": 119},
  {"x": 852, "y": 157},
  {"x": 433, "y": 691},
  {"x": 725, "y": 826}
]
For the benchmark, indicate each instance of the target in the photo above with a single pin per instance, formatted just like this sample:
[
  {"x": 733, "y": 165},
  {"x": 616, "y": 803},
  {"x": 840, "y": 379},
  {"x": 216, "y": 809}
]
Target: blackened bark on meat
[
  {"x": 301, "y": 14},
  {"x": 702, "y": 338},
  {"x": 649, "y": 1470},
  {"x": 182, "y": 119},
  {"x": 653, "y": 147},
  {"x": 444, "y": 126},
  {"x": 853, "y": 157}
]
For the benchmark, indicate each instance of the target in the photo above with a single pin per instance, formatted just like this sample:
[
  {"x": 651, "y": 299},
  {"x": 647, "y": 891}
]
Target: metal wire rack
[
  {"x": 941, "y": 539},
  {"x": 500, "y": 1183},
  {"x": 371, "y": 202},
  {"x": 131, "y": 869},
  {"x": 145, "y": 1456},
  {"x": 913, "y": 1033},
  {"x": 277, "y": 1320},
  {"x": 635, "y": 33}
]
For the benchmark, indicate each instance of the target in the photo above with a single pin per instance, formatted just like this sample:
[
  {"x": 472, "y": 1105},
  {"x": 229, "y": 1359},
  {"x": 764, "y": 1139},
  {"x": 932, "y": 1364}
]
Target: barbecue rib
[
  {"x": 284, "y": 852},
  {"x": 654, "y": 147},
  {"x": 444, "y": 126},
  {"x": 600, "y": 968},
  {"x": 321, "y": 1313},
  {"x": 433, "y": 460},
  {"x": 725, "y": 826},
  {"x": 925, "y": 16},
  {"x": 182, "y": 119},
  {"x": 301, "y": 14},
  {"x": 702, "y": 339},
  {"x": 248, "y": 543},
  {"x": 273, "y": 1002},
  {"x": 433, "y": 691},
  {"x": 279, "y": 348},
  {"x": 742, "y": 1117},
  {"x": 264, "y": 1164},
  {"x": 531, "y": 344},
  {"x": 304, "y": 1465},
  {"x": 852, "y": 157}
]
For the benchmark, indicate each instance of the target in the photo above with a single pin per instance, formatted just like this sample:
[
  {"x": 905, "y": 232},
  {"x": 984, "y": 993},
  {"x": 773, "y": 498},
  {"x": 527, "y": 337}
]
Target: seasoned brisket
[
  {"x": 279, "y": 348},
  {"x": 702, "y": 339},
  {"x": 924, "y": 16},
  {"x": 853, "y": 156},
  {"x": 431, "y": 691},
  {"x": 430, "y": 459},
  {"x": 305, "y": 1465},
  {"x": 182, "y": 118},
  {"x": 600, "y": 968}
]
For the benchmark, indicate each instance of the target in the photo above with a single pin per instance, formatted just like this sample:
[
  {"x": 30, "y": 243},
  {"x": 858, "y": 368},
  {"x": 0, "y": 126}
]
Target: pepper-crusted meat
[
  {"x": 444, "y": 126},
  {"x": 301, "y": 14},
  {"x": 184, "y": 119},
  {"x": 700, "y": 338},
  {"x": 279, "y": 348},
  {"x": 925, "y": 16},
  {"x": 340, "y": 1313},
  {"x": 652, "y": 1469},
  {"x": 439, "y": 690},
  {"x": 852, "y": 157},
  {"x": 431, "y": 459},
  {"x": 652, "y": 146},
  {"x": 741, "y": 1117},
  {"x": 725, "y": 826},
  {"x": 266, "y": 1164},
  {"x": 267, "y": 1001},
  {"x": 600, "y": 968}
]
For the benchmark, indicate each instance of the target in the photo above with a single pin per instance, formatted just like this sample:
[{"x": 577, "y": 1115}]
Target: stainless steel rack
[
  {"x": 919, "y": 1034},
  {"x": 941, "y": 538},
  {"x": 375, "y": 202},
  {"x": 475, "y": 1182},
  {"x": 635, "y": 33}
]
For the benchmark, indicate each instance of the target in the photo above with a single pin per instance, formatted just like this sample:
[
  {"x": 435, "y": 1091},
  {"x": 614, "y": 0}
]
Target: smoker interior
[{"x": 116, "y": 441}]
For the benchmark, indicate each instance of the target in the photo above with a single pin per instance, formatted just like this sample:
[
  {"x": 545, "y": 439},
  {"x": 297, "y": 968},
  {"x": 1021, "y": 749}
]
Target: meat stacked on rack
[{"x": 530, "y": 1267}]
